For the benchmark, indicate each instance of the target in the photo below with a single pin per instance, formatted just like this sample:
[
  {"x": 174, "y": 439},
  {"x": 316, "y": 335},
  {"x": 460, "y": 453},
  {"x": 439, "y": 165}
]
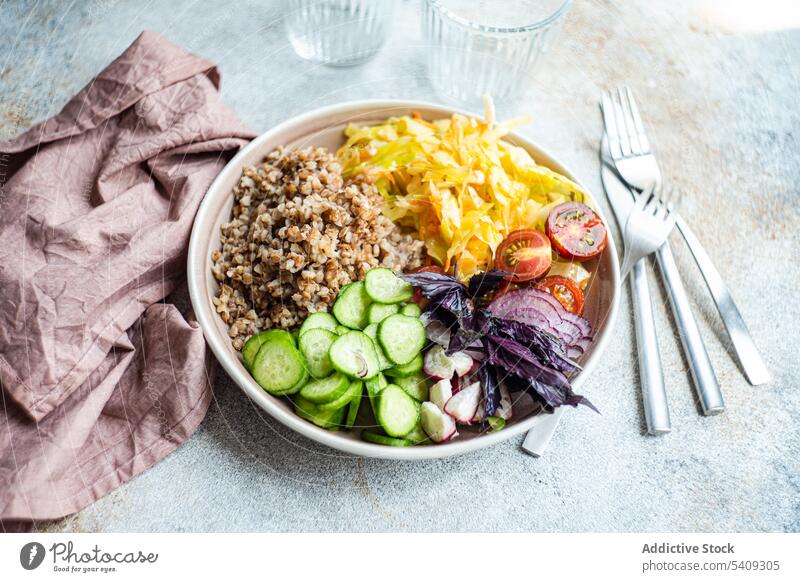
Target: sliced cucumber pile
[{"x": 335, "y": 356}]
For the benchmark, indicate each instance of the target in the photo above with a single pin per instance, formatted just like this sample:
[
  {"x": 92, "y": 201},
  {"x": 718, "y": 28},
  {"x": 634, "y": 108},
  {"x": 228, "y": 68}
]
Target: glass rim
[{"x": 450, "y": 15}]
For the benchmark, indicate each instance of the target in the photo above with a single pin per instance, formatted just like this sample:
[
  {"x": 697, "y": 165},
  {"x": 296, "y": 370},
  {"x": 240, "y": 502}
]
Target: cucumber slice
[
  {"x": 353, "y": 388},
  {"x": 496, "y": 423},
  {"x": 374, "y": 387},
  {"x": 382, "y": 439},
  {"x": 418, "y": 436},
  {"x": 354, "y": 354},
  {"x": 401, "y": 337},
  {"x": 384, "y": 286},
  {"x": 371, "y": 331},
  {"x": 326, "y": 389},
  {"x": 415, "y": 386},
  {"x": 408, "y": 369},
  {"x": 251, "y": 348},
  {"x": 378, "y": 312},
  {"x": 315, "y": 344},
  {"x": 412, "y": 310},
  {"x": 320, "y": 319},
  {"x": 397, "y": 413},
  {"x": 341, "y": 329},
  {"x": 355, "y": 404},
  {"x": 279, "y": 367},
  {"x": 325, "y": 418},
  {"x": 352, "y": 305}
]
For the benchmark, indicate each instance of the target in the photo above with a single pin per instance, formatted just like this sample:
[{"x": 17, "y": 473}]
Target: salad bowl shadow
[{"x": 324, "y": 127}]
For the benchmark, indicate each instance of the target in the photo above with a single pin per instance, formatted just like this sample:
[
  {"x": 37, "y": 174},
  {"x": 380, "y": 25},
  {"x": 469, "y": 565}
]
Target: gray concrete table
[{"x": 722, "y": 108}]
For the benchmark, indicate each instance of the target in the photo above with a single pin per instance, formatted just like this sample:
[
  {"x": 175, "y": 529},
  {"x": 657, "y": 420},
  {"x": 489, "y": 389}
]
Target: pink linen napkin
[{"x": 100, "y": 378}]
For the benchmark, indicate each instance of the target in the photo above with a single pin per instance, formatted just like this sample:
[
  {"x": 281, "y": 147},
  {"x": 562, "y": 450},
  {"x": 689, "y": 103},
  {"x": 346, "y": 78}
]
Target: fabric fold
[{"x": 100, "y": 378}]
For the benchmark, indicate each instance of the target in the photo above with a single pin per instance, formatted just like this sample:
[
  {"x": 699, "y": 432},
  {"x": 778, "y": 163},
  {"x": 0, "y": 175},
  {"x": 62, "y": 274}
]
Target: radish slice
[
  {"x": 504, "y": 407},
  {"x": 436, "y": 331},
  {"x": 436, "y": 424},
  {"x": 441, "y": 392},
  {"x": 437, "y": 364},
  {"x": 462, "y": 363},
  {"x": 464, "y": 405}
]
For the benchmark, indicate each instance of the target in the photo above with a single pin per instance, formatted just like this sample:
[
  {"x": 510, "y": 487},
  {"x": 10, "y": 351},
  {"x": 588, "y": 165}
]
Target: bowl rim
[{"x": 196, "y": 265}]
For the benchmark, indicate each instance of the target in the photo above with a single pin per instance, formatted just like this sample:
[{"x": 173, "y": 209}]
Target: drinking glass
[
  {"x": 340, "y": 33},
  {"x": 485, "y": 47}
]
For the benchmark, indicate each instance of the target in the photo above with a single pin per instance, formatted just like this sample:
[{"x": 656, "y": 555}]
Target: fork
[
  {"x": 630, "y": 152},
  {"x": 649, "y": 223},
  {"x": 640, "y": 171}
]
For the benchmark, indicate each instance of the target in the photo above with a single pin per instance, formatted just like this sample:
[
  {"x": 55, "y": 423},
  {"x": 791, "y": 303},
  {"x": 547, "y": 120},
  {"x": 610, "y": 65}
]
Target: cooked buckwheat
[{"x": 298, "y": 233}]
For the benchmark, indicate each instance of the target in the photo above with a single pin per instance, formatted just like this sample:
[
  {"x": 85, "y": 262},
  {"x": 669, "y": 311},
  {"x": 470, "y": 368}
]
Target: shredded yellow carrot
[{"x": 457, "y": 182}]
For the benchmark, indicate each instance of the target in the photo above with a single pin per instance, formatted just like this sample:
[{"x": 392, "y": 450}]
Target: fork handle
[
  {"x": 654, "y": 394},
  {"x": 705, "y": 380}
]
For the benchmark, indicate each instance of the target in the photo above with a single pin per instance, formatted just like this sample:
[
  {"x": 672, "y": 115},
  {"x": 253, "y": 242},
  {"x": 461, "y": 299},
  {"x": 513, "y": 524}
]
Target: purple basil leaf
[
  {"x": 461, "y": 339},
  {"x": 444, "y": 291},
  {"x": 549, "y": 383},
  {"x": 553, "y": 397},
  {"x": 481, "y": 284},
  {"x": 516, "y": 359},
  {"x": 433, "y": 285},
  {"x": 545, "y": 346},
  {"x": 491, "y": 389}
]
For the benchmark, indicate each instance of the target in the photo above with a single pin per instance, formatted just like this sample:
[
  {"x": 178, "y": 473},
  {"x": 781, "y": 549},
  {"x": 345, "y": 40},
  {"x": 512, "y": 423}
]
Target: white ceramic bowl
[{"x": 323, "y": 127}]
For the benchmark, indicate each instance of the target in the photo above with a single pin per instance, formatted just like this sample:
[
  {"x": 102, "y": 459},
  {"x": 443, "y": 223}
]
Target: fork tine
[
  {"x": 642, "y": 199},
  {"x": 630, "y": 127},
  {"x": 660, "y": 206},
  {"x": 624, "y": 140},
  {"x": 654, "y": 202},
  {"x": 644, "y": 143},
  {"x": 610, "y": 126}
]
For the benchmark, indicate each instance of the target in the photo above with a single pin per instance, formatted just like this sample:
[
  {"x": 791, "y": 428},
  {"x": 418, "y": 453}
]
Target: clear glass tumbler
[
  {"x": 485, "y": 47},
  {"x": 340, "y": 33}
]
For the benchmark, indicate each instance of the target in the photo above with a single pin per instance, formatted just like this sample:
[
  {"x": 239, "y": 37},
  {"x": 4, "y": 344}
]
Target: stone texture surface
[{"x": 722, "y": 110}]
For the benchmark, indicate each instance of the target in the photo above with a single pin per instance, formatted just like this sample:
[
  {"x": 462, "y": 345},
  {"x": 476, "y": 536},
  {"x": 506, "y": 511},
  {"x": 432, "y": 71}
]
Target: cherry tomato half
[
  {"x": 576, "y": 231},
  {"x": 526, "y": 253},
  {"x": 418, "y": 298},
  {"x": 565, "y": 290}
]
